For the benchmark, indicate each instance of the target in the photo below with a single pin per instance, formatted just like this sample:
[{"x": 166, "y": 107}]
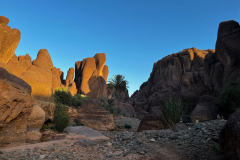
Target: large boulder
[
  {"x": 48, "y": 107},
  {"x": 37, "y": 117},
  {"x": 15, "y": 107},
  {"x": 9, "y": 39},
  {"x": 91, "y": 76},
  {"x": 229, "y": 137},
  {"x": 228, "y": 50},
  {"x": 206, "y": 109},
  {"x": 94, "y": 116},
  {"x": 155, "y": 119},
  {"x": 15, "y": 81},
  {"x": 125, "y": 109}
]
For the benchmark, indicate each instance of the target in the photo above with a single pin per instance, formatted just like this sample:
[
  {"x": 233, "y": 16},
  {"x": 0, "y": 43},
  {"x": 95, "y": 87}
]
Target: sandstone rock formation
[
  {"x": 18, "y": 65},
  {"x": 69, "y": 82},
  {"x": 229, "y": 137},
  {"x": 48, "y": 108},
  {"x": 33, "y": 135},
  {"x": 39, "y": 77},
  {"x": 9, "y": 39},
  {"x": 94, "y": 116},
  {"x": 15, "y": 106},
  {"x": 36, "y": 118},
  {"x": 206, "y": 109},
  {"x": 57, "y": 78},
  {"x": 91, "y": 76}
]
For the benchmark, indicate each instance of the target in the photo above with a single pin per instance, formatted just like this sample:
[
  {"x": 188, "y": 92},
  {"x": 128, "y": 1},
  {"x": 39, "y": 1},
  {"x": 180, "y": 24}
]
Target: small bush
[
  {"x": 2, "y": 24},
  {"x": 5, "y": 32},
  {"x": 62, "y": 97},
  {"x": 61, "y": 118},
  {"x": 173, "y": 110},
  {"x": 229, "y": 98},
  {"x": 45, "y": 128},
  {"x": 127, "y": 126}
]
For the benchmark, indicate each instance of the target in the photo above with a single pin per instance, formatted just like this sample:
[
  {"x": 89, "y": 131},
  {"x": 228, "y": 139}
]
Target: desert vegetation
[
  {"x": 62, "y": 96},
  {"x": 173, "y": 110},
  {"x": 229, "y": 98},
  {"x": 61, "y": 118}
]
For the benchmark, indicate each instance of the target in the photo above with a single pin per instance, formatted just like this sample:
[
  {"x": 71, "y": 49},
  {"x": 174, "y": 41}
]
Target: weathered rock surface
[
  {"x": 15, "y": 106},
  {"x": 18, "y": 65},
  {"x": 229, "y": 136},
  {"x": 125, "y": 109},
  {"x": 9, "y": 39},
  {"x": 94, "y": 116},
  {"x": 4, "y": 20},
  {"x": 33, "y": 135},
  {"x": 48, "y": 108},
  {"x": 57, "y": 78},
  {"x": 15, "y": 81},
  {"x": 154, "y": 120},
  {"x": 36, "y": 118},
  {"x": 39, "y": 77},
  {"x": 206, "y": 109},
  {"x": 192, "y": 73},
  {"x": 91, "y": 76}
]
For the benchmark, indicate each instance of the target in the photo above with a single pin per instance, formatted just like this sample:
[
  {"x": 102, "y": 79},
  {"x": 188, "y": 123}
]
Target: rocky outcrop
[
  {"x": 9, "y": 39},
  {"x": 229, "y": 137},
  {"x": 39, "y": 77},
  {"x": 16, "y": 104},
  {"x": 57, "y": 78},
  {"x": 91, "y": 76},
  {"x": 94, "y": 116},
  {"x": 155, "y": 120},
  {"x": 19, "y": 64},
  {"x": 181, "y": 73},
  {"x": 192, "y": 73},
  {"x": 206, "y": 109},
  {"x": 70, "y": 84}
]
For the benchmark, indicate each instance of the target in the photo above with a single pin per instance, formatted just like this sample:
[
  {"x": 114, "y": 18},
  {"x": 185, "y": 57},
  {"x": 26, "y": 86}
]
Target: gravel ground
[{"x": 196, "y": 143}]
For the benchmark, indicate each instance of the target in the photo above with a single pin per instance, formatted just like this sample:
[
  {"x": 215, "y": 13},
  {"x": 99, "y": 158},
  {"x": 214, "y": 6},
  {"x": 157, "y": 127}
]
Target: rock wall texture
[
  {"x": 91, "y": 76},
  {"x": 16, "y": 104},
  {"x": 192, "y": 73},
  {"x": 9, "y": 39}
]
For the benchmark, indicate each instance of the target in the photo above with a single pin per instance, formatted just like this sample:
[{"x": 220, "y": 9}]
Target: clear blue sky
[{"x": 133, "y": 33}]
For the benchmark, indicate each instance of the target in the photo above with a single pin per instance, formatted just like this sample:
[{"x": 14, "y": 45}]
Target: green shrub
[
  {"x": 5, "y": 32},
  {"x": 229, "y": 98},
  {"x": 127, "y": 126},
  {"x": 62, "y": 96},
  {"x": 61, "y": 118},
  {"x": 78, "y": 99},
  {"x": 173, "y": 110}
]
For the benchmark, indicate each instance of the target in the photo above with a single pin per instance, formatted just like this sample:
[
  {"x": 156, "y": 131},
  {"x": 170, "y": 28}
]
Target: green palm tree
[{"x": 117, "y": 87}]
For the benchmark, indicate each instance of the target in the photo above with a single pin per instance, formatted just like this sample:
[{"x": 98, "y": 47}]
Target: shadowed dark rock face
[{"x": 192, "y": 73}]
